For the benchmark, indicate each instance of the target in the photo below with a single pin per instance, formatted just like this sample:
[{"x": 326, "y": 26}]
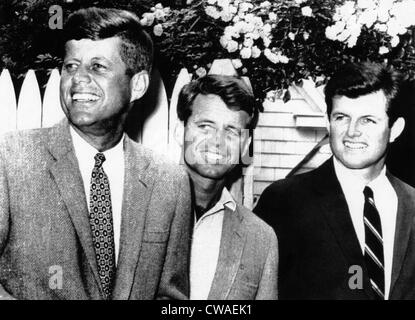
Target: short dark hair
[
  {"x": 234, "y": 91},
  {"x": 358, "y": 79},
  {"x": 136, "y": 47}
]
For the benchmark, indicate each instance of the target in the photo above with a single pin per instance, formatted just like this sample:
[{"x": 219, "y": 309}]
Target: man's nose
[
  {"x": 81, "y": 75},
  {"x": 218, "y": 138},
  {"x": 354, "y": 129}
]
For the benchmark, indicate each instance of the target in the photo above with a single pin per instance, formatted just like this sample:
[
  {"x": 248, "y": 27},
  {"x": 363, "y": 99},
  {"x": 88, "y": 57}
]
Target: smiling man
[
  {"x": 85, "y": 212},
  {"x": 234, "y": 254},
  {"x": 346, "y": 229}
]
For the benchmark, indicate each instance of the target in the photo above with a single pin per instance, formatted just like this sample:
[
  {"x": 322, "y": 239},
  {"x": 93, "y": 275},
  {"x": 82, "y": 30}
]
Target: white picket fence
[{"x": 28, "y": 111}]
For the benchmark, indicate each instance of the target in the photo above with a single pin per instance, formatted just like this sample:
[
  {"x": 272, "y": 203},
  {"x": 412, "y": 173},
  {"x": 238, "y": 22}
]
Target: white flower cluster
[
  {"x": 247, "y": 32},
  {"x": 307, "y": 11},
  {"x": 391, "y": 17},
  {"x": 157, "y": 15}
]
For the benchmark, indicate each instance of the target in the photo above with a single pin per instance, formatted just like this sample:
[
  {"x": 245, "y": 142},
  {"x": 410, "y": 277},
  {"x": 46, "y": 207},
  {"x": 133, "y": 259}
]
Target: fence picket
[
  {"x": 52, "y": 111},
  {"x": 29, "y": 107},
  {"x": 7, "y": 103},
  {"x": 155, "y": 128},
  {"x": 175, "y": 149}
]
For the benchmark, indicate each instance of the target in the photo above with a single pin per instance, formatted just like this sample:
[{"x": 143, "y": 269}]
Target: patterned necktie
[
  {"x": 100, "y": 218},
  {"x": 374, "y": 245}
]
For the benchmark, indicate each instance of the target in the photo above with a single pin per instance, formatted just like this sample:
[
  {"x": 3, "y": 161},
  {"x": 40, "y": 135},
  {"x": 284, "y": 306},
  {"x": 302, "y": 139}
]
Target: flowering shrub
[
  {"x": 391, "y": 18},
  {"x": 278, "y": 43},
  {"x": 275, "y": 43}
]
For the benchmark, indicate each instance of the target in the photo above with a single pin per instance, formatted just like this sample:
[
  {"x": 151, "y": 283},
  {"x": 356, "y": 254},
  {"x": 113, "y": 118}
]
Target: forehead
[
  {"x": 212, "y": 108},
  {"x": 108, "y": 48},
  {"x": 370, "y": 104}
]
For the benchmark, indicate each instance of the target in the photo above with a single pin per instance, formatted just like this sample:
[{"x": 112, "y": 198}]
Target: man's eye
[
  {"x": 99, "y": 67},
  {"x": 368, "y": 120},
  {"x": 70, "y": 67},
  {"x": 233, "y": 132},
  {"x": 338, "y": 117},
  {"x": 205, "y": 126}
]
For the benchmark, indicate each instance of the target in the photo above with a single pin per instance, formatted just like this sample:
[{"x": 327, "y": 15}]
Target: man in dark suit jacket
[
  {"x": 234, "y": 254},
  {"x": 85, "y": 212},
  {"x": 346, "y": 229}
]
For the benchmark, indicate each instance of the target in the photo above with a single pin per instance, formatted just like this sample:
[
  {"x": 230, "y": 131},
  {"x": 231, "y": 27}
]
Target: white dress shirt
[
  {"x": 205, "y": 249},
  {"x": 386, "y": 202},
  {"x": 113, "y": 167}
]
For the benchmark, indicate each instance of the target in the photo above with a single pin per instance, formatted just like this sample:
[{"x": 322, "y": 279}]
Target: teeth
[
  {"x": 213, "y": 156},
  {"x": 355, "y": 145},
  {"x": 85, "y": 97}
]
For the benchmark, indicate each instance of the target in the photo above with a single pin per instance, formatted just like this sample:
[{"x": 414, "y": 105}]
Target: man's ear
[
  {"x": 179, "y": 133},
  {"x": 397, "y": 129},
  {"x": 139, "y": 84}
]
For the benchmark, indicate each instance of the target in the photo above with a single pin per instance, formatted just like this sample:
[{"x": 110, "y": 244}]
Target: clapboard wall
[{"x": 285, "y": 134}]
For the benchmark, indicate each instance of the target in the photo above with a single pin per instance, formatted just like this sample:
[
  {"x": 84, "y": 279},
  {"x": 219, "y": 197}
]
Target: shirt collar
[
  {"x": 350, "y": 183},
  {"x": 84, "y": 151},
  {"x": 225, "y": 200},
  {"x": 379, "y": 182}
]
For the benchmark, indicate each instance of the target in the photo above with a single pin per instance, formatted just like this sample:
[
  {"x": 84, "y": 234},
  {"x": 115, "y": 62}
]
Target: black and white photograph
[{"x": 210, "y": 152}]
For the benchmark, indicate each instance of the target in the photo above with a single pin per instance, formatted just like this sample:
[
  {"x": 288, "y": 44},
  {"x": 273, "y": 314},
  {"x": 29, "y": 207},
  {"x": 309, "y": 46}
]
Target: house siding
[{"x": 280, "y": 145}]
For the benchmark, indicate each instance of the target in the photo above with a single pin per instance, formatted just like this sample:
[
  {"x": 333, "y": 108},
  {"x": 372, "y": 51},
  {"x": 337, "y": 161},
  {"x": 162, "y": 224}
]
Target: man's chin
[
  {"x": 210, "y": 171},
  {"x": 84, "y": 122},
  {"x": 355, "y": 165},
  {"x": 80, "y": 121}
]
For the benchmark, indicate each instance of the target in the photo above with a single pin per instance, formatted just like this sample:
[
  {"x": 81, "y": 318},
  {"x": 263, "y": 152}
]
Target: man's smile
[
  {"x": 355, "y": 145},
  {"x": 213, "y": 156},
  {"x": 84, "y": 97}
]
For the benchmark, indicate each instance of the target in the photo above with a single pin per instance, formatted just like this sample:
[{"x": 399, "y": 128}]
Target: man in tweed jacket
[
  {"x": 234, "y": 254},
  {"x": 51, "y": 247}
]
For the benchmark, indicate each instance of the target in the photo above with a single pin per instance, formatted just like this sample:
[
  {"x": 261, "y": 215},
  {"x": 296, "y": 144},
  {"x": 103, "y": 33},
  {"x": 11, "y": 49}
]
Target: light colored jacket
[
  {"x": 248, "y": 259},
  {"x": 44, "y": 224}
]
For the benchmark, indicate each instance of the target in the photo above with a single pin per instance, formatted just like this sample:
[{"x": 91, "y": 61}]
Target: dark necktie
[
  {"x": 100, "y": 219},
  {"x": 374, "y": 245}
]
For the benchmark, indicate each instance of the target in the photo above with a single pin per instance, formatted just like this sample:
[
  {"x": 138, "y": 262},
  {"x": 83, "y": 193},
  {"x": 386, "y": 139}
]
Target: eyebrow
[
  {"x": 203, "y": 120},
  {"x": 371, "y": 116},
  {"x": 233, "y": 127},
  {"x": 338, "y": 113},
  {"x": 93, "y": 58},
  {"x": 100, "y": 58}
]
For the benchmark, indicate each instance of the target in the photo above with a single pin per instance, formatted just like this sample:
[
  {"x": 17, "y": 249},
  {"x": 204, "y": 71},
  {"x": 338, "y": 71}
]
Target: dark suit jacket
[
  {"x": 44, "y": 223},
  {"x": 318, "y": 243},
  {"x": 248, "y": 259}
]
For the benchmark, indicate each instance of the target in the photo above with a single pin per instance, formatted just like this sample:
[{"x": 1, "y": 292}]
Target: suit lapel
[
  {"x": 66, "y": 174},
  {"x": 136, "y": 196},
  {"x": 231, "y": 248},
  {"x": 337, "y": 215},
  {"x": 404, "y": 222}
]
